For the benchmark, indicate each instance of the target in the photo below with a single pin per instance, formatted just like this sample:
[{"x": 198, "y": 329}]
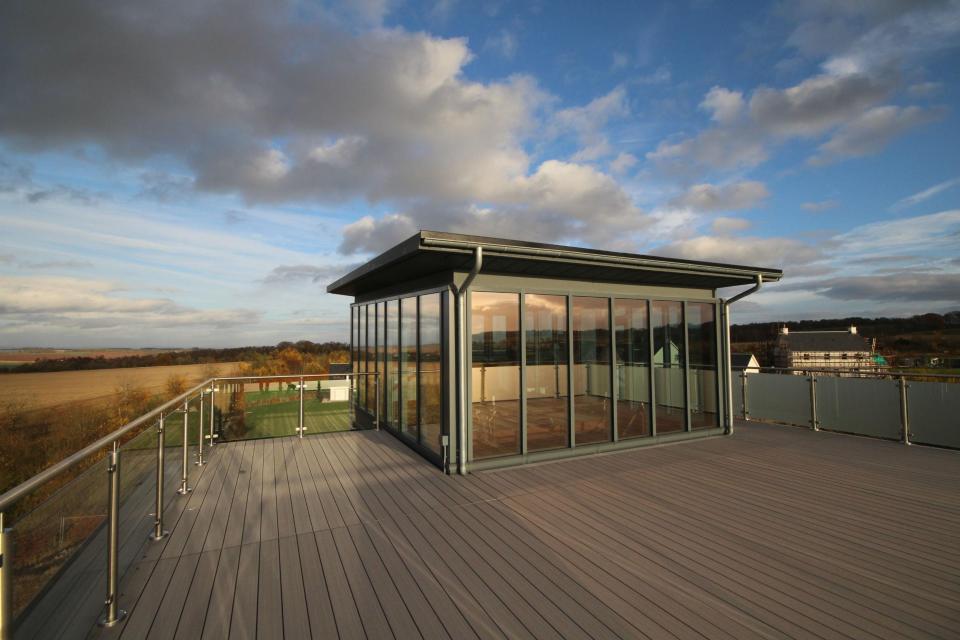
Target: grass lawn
[{"x": 281, "y": 418}]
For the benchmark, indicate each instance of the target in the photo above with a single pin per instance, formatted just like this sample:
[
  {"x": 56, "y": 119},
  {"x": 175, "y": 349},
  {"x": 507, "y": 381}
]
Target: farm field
[
  {"x": 38, "y": 390},
  {"x": 14, "y": 357}
]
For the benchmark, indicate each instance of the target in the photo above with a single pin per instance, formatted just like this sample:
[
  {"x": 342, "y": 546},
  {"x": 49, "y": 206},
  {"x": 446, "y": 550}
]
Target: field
[
  {"x": 38, "y": 390},
  {"x": 15, "y": 357}
]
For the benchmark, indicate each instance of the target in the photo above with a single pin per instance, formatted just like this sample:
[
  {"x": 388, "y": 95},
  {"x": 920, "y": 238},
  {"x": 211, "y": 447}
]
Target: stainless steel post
[
  {"x": 113, "y": 613},
  {"x": 376, "y": 382},
  {"x": 904, "y": 413},
  {"x": 743, "y": 393},
  {"x": 6, "y": 581},
  {"x": 300, "y": 424},
  {"x": 158, "y": 531},
  {"x": 213, "y": 390},
  {"x": 814, "y": 422},
  {"x": 200, "y": 461},
  {"x": 185, "y": 464}
]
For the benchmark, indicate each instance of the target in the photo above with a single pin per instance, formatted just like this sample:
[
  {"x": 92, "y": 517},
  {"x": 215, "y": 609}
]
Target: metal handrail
[
  {"x": 858, "y": 372},
  {"x": 113, "y": 614}
]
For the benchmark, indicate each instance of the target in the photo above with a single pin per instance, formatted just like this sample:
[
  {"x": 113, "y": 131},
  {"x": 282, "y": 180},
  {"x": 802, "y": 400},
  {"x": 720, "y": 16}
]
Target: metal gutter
[
  {"x": 462, "y": 372},
  {"x": 729, "y": 348}
]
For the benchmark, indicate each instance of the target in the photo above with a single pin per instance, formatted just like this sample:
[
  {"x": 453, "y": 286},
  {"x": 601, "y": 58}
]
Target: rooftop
[
  {"x": 825, "y": 341},
  {"x": 773, "y": 532},
  {"x": 429, "y": 252}
]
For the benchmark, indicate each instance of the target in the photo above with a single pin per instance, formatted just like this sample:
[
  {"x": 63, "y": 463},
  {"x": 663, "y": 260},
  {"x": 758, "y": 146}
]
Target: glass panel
[
  {"x": 591, "y": 370},
  {"x": 778, "y": 398},
  {"x": 545, "y": 319},
  {"x": 430, "y": 361},
  {"x": 381, "y": 311},
  {"x": 495, "y": 379},
  {"x": 633, "y": 367},
  {"x": 326, "y": 405},
  {"x": 355, "y": 331},
  {"x": 408, "y": 365},
  {"x": 859, "y": 405},
  {"x": 702, "y": 347},
  {"x": 933, "y": 409},
  {"x": 668, "y": 363},
  {"x": 393, "y": 363}
]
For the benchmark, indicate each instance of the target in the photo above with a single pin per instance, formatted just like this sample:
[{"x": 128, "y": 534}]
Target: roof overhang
[{"x": 430, "y": 252}]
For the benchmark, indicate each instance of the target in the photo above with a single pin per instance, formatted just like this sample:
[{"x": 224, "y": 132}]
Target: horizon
[{"x": 196, "y": 173}]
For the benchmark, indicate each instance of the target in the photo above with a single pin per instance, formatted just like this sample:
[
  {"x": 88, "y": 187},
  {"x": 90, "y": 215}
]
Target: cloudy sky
[{"x": 193, "y": 173}]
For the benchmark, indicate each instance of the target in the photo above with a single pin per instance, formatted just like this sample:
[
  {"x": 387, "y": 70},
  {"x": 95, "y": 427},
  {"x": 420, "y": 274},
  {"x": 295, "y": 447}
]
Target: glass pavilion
[{"x": 491, "y": 352}]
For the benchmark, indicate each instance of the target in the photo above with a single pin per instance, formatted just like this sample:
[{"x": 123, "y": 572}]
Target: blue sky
[{"x": 195, "y": 173}]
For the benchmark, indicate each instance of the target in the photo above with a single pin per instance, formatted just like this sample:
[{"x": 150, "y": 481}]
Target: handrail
[
  {"x": 56, "y": 469},
  {"x": 858, "y": 372}
]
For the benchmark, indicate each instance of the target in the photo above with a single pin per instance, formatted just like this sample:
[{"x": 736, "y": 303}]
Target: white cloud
[
  {"x": 623, "y": 162},
  {"x": 754, "y": 251},
  {"x": 926, "y": 194},
  {"x": 504, "y": 43},
  {"x": 724, "y": 225},
  {"x": 724, "y": 105},
  {"x": 729, "y": 197},
  {"x": 588, "y": 122}
]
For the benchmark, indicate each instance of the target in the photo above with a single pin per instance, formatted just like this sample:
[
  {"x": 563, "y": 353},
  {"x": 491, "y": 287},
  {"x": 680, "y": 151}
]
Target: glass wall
[
  {"x": 545, "y": 324},
  {"x": 355, "y": 339},
  {"x": 495, "y": 379},
  {"x": 430, "y": 362},
  {"x": 591, "y": 367},
  {"x": 392, "y": 383},
  {"x": 668, "y": 365},
  {"x": 363, "y": 355},
  {"x": 702, "y": 349},
  {"x": 378, "y": 359},
  {"x": 408, "y": 366},
  {"x": 632, "y": 340}
]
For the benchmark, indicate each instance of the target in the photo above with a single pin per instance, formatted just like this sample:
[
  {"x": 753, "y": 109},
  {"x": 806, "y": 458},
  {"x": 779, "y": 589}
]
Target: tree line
[{"x": 873, "y": 327}]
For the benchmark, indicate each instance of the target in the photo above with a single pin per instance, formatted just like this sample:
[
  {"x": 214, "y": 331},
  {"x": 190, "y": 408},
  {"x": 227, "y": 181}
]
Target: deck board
[{"x": 773, "y": 533}]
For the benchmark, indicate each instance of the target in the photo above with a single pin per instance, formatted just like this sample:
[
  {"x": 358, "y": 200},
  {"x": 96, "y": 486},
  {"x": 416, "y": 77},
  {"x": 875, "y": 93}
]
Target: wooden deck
[{"x": 775, "y": 532}]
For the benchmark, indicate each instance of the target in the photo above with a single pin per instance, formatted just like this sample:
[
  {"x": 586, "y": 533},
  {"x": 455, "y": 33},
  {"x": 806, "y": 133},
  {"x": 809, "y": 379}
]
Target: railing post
[
  {"x": 185, "y": 463},
  {"x": 213, "y": 390},
  {"x": 743, "y": 394},
  {"x": 158, "y": 531},
  {"x": 114, "y": 613},
  {"x": 376, "y": 382},
  {"x": 814, "y": 422},
  {"x": 904, "y": 413},
  {"x": 300, "y": 423},
  {"x": 200, "y": 461},
  {"x": 6, "y": 581}
]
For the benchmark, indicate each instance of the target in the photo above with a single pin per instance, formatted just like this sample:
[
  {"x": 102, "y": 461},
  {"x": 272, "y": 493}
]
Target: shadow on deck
[{"x": 775, "y": 532}]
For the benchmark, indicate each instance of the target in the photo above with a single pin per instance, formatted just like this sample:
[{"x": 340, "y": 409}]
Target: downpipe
[
  {"x": 728, "y": 365},
  {"x": 462, "y": 372}
]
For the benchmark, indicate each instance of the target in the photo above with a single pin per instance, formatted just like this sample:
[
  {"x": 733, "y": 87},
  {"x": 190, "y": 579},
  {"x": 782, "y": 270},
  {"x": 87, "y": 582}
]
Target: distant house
[
  {"x": 844, "y": 350},
  {"x": 338, "y": 383},
  {"x": 745, "y": 362}
]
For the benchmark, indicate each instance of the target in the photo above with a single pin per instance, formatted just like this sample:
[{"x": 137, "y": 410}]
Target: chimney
[
  {"x": 784, "y": 330},
  {"x": 853, "y": 330}
]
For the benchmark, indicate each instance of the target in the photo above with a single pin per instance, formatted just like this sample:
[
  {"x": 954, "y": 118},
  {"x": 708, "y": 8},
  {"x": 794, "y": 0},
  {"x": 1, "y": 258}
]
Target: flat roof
[{"x": 430, "y": 252}]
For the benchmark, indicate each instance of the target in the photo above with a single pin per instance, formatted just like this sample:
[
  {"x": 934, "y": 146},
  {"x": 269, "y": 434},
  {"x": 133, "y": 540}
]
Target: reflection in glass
[
  {"x": 591, "y": 370},
  {"x": 702, "y": 335},
  {"x": 633, "y": 368},
  {"x": 430, "y": 355},
  {"x": 392, "y": 383},
  {"x": 363, "y": 355},
  {"x": 377, "y": 382},
  {"x": 545, "y": 324},
  {"x": 668, "y": 363},
  {"x": 408, "y": 365},
  {"x": 495, "y": 381},
  {"x": 355, "y": 347}
]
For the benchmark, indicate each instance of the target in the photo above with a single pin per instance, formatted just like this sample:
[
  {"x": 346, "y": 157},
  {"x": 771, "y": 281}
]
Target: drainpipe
[
  {"x": 462, "y": 372},
  {"x": 725, "y": 307}
]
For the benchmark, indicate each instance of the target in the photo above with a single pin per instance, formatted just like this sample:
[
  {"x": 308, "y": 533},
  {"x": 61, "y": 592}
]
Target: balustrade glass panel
[
  {"x": 545, "y": 320},
  {"x": 430, "y": 362},
  {"x": 363, "y": 356},
  {"x": 702, "y": 336},
  {"x": 378, "y": 358},
  {"x": 591, "y": 370},
  {"x": 633, "y": 367},
  {"x": 408, "y": 366},
  {"x": 495, "y": 380},
  {"x": 392, "y": 383},
  {"x": 669, "y": 360}
]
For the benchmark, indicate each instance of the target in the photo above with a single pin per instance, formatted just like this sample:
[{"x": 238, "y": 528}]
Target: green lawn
[{"x": 281, "y": 418}]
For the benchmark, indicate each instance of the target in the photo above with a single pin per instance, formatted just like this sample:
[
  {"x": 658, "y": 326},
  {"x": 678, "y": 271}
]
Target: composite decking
[{"x": 775, "y": 532}]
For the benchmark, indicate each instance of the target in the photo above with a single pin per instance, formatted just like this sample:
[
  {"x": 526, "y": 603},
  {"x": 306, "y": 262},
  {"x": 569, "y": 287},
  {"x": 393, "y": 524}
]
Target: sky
[{"x": 195, "y": 172}]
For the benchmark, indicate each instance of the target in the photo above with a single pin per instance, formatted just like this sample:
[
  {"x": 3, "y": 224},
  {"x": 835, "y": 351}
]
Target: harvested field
[{"x": 37, "y": 390}]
